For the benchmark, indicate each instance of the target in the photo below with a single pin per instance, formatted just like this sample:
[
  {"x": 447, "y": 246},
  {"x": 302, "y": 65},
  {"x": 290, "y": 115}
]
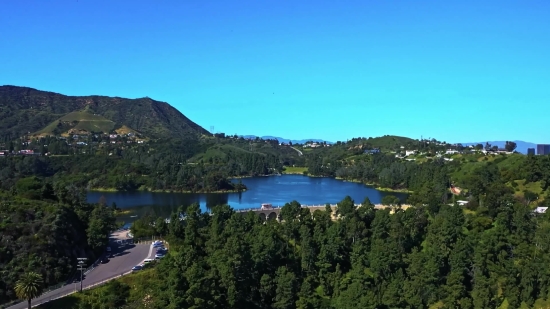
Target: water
[{"x": 276, "y": 190}]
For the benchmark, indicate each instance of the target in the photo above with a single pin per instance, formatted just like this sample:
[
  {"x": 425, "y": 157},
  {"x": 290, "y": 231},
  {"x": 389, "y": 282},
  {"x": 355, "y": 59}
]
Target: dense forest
[
  {"x": 490, "y": 253},
  {"x": 44, "y": 228},
  {"x": 491, "y": 256},
  {"x": 191, "y": 165}
]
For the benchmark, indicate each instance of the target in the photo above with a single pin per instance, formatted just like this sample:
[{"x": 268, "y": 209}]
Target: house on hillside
[
  {"x": 371, "y": 151},
  {"x": 26, "y": 152}
]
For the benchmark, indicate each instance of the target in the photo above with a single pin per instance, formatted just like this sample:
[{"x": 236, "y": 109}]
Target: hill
[
  {"x": 77, "y": 122},
  {"x": 521, "y": 145},
  {"x": 25, "y": 110}
]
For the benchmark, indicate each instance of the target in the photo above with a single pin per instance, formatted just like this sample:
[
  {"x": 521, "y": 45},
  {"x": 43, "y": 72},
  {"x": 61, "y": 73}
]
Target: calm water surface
[{"x": 276, "y": 190}]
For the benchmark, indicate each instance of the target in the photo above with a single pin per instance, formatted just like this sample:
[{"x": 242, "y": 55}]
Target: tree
[
  {"x": 530, "y": 196},
  {"x": 391, "y": 200},
  {"x": 102, "y": 222},
  {"x": 510, "y": 146},
  {"x": 29, "y": 286}
]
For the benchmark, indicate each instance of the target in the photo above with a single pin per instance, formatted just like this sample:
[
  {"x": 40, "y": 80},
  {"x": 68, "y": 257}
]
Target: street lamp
[{"x": 81, "y": 266}]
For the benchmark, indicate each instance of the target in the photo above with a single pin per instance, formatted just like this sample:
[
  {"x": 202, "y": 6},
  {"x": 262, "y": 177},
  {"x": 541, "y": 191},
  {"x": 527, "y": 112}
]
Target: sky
[{"x": 457, "y": 71}]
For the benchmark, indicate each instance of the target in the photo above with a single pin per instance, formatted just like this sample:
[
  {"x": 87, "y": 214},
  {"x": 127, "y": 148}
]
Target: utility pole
[{"x": 81, "y": 266}]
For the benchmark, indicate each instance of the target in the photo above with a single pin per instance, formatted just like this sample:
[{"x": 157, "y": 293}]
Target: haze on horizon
[{"x": 460, "y": 72}]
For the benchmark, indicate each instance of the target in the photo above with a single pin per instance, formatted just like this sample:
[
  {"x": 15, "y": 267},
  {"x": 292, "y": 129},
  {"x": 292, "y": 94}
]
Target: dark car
[{"x": 104, "y": 260}]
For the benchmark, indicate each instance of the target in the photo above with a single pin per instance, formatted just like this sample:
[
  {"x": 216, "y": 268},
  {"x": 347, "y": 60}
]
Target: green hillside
[
  {"x": 25, "y": 110},
  {"x": 78, "y": 121}
]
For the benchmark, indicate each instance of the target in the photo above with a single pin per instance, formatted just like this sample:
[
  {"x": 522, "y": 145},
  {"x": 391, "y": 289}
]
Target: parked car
[
  {"x": 158, "y": 244},
  {"x": 137, "y": 267},
  {"x": 159, "y": 256},
  {"x": 104, "y": 260},
  {"x": 146, "y": 261},
  {"x": 108, "y": 249}
]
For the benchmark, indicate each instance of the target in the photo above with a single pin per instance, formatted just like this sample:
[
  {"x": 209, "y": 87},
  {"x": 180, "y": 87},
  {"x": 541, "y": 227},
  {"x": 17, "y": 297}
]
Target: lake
[{"x": 276, "y": 190}]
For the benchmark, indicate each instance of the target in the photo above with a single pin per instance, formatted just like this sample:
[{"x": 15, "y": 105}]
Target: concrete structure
[
  {"x": 543, "y": 149},
  {"x": 274, "y": 212},
  {"x": 531, "y": 151}
]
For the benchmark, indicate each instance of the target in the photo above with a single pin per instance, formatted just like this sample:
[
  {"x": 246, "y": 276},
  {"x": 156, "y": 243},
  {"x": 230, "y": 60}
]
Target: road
[
  {"x": 299, "y": 152},
  {"x": 124, "y": 258}
]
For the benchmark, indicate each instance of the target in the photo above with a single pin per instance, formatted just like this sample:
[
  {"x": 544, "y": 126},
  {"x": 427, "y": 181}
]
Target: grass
[
  {"x": 294, "y": 170},
  {"x": 125, "y": 130},
  {"x": 84, "y": 122},
  {"x": 140, "y": 282},
  {"x": 531, "y": 186},
  {"x": 521, "y": 186},
  {"x": 381, "y": 189},
  {"x": 219, "y": 153}
]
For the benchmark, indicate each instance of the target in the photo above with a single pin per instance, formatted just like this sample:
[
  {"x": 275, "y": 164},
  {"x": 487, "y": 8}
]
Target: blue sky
[{"x": 459, "y": 71}]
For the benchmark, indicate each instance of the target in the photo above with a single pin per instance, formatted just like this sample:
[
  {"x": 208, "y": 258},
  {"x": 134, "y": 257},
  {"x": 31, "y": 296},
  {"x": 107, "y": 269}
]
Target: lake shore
[
  {"x": 167, "y": 191},
  {"x": 375, "y": 186},
  {"x": 275, "y": 190}
]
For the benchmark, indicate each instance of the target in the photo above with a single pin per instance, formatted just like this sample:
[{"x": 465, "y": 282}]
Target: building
[
  {"x": 543, "y": 149},
  {"x": 371, "y": 151},
  {"x": 531, "y": 151}
]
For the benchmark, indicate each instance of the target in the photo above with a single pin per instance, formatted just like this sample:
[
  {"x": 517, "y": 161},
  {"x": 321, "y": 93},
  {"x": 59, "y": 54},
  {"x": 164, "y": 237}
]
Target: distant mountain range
[
  {"x": 521, "y": 145},
  {"x": 286, "y": 140}
]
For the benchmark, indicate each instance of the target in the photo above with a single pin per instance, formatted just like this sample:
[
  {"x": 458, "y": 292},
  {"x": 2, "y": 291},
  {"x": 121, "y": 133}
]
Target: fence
[
  {"x": 45, "y": 298},
  {"x": 65, "y": 287}
]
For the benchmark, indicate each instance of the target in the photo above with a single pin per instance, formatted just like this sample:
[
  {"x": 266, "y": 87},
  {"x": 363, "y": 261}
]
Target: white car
[{"x": 159, "y": 256}]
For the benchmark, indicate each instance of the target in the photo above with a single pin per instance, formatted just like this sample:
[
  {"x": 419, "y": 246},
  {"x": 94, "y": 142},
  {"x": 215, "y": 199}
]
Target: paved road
[
  {"x": 299, "y": 152},
  {"x": 124, "y": 258}
]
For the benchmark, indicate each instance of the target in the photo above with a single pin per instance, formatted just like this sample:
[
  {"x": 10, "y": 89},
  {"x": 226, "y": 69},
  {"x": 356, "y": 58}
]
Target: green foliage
[
  {"x": 29, "y": 187},
  {"x": 24, "y": 110},
  {"x": 414, "y": 258},
  {"x": 78, "y": 121},
  {"x": 101, "y": 222},
  {"x": 46, "y": 235},
  {"x": 391, "y": 200},
  {"x": 29, "y": 286},
  {"x": 188, "y": 165}
]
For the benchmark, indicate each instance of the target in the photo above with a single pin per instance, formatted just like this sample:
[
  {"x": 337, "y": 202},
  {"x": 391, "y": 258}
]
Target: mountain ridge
[
  {"x": 26, "y": 110},
  {"x": 286, "y": 140}
]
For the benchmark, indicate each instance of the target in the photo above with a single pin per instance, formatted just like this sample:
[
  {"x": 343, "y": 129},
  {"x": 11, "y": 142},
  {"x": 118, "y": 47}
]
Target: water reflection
[{"x": 277, "y": 190}]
